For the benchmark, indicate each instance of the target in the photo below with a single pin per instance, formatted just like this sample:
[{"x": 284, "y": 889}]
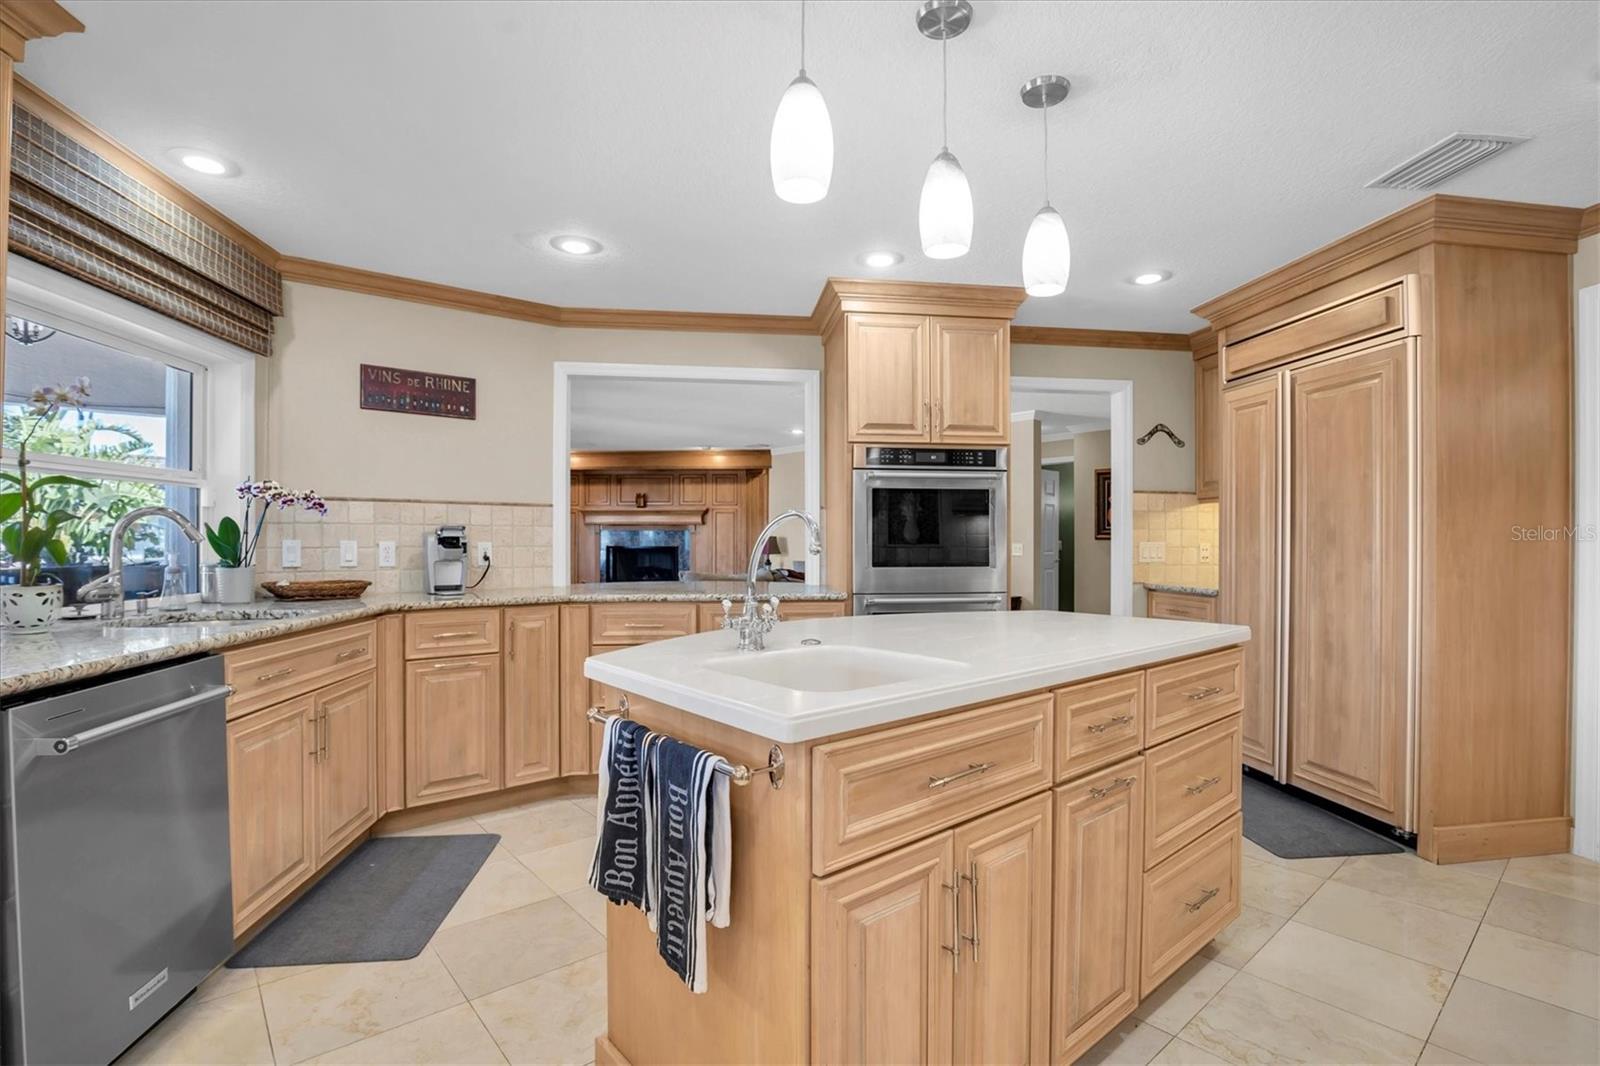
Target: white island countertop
[{"x": 874, "y": 670}]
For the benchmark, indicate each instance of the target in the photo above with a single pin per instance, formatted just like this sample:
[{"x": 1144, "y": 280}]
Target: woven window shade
[{"x": 77, "y": 213}]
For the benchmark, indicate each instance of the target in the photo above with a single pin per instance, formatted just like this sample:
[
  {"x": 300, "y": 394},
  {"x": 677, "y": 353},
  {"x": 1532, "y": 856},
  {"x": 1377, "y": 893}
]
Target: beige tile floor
[{"x": 1364, "y": 960}]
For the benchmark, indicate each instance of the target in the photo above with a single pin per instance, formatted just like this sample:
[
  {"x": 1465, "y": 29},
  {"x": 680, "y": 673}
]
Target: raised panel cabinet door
[
  {"x": 729, "y": 553},
  {"x": 882, "y": 958},
  {"x": 971, "y": 370},
  {"x": 886, "y": 378},
  {"x": 453, "y": 728},
  {"x": 1207, "y": 426},
  {"x": 1099, "y": 872},
  {"x": 347, "y": 762},
  {"x": 532, "y": 694},
  {"x": 656, "y": 489},
  {"x": 1002, "y": 995},
  {"x": 1251, "y": 518},
  {"x": 1348, "y": 579},
  {"x": 577, "y": 736},
  {"x": 271, "y": 764}
]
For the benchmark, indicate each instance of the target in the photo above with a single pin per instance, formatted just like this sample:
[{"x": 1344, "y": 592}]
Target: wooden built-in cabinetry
[
  {"x": 1207, "y": 415},
  {"x": 1395, "y": 419},
  {"x": 1181, "y": 606}
]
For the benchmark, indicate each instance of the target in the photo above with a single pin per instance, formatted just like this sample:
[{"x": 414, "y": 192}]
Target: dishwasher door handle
[{"x": 66, "y": 745}]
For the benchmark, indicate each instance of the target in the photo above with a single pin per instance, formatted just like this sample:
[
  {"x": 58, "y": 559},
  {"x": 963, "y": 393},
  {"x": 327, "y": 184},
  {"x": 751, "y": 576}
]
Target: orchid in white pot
[{"x": 236, "y": 543}]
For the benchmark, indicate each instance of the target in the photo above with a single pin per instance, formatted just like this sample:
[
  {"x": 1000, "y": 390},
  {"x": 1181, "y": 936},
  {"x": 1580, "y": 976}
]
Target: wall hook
[{"x": 1161, "y": 427}]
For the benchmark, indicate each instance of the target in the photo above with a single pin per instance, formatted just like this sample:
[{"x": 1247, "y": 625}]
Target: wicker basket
[{"x": 315, "y": 590}]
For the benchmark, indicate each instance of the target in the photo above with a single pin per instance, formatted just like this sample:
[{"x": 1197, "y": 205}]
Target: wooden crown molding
[
  {"x": 720, "y": 459},
  {"x": 1203, "y": 342},
  {"x": 352, "y": 279},
  {"x": 22, "y": 21},
  {"x": 1099, "y": 338},
  {"x": 841, "y": 295},
  {"x": 1435, "y": 220},
  {"x": 1591, "y": 222},
  {"x": 31, "y": 98}
]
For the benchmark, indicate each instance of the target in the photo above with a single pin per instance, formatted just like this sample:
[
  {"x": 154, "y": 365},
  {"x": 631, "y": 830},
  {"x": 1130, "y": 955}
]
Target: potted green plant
[
  {"x": 236, "y": 542},
  {"x": 33, "y": 525}
]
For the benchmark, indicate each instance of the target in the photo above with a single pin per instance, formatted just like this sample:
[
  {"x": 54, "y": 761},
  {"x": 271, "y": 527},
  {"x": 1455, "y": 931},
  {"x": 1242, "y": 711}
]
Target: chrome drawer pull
[
  {"x": 285, "y": 672},
  {"x": 1195, "y": 790},
  {"x": 1116, "y": 786},
  {"x": 1202, "y": 693},
  {"x": 1205, "y": 897},
  {"x": 1101, "y": 727},
  {"x": 348, "y": 654},
  {"x": 972, "y": 768},
  {"x": 644, "y": 625},
  {"x": 454, "y": 636}
]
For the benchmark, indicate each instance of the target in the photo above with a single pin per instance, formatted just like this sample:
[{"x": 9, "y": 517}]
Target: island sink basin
[{"x": 824, "y": 668}]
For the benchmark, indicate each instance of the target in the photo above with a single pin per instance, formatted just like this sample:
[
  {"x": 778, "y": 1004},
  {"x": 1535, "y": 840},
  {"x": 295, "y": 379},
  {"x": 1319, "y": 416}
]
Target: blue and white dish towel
[{"x": 664, "y": 840}]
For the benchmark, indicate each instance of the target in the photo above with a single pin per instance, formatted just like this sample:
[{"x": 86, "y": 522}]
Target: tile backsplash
[
  {"x": 520, "y": 535},
  {"x": 1187, "y": 530}
]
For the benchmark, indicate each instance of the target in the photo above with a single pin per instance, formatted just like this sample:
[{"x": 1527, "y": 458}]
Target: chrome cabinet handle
[
  {"x": 454, "y": 636},
  {"x": 972, "y": 907},
  {"x": 644, "y": 625},
  {"x": 451, "y": 664},
  {"x": 1202, "y": 693},
  {"x": 349, "y": 654},
  {"x": 936, "y": 406},
  {"x": 1205, "y": 897},
  {"x": 285, "y": 672},
  {"x": 926, "y": 416},
  {"x": 1116, "y": 786},
  {"x": 1101, "y": 727},
  {"x": 972, "y": 768},
  {"x": 327, "y": 730},
  {"x": 955, "y": 920},
  {"x": 1195, "y": 790}
]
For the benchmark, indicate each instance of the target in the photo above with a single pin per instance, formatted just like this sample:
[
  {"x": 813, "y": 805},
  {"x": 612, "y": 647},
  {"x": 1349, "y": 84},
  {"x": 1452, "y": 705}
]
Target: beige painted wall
[
  {"x": 1091, "y": 559},
  {"x": 786, "y": 483},
  {"x": 1163, "y": 391},
  {"x": 1586, "y": 264},
  {"x": 312, "y": 433},
  {"x": 1055, "y": 449},
  {"x": 1023, "y": 510}
]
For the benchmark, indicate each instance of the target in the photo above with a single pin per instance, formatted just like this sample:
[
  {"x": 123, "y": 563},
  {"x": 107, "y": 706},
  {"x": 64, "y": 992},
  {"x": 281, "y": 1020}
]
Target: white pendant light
[
  {"x": 1046, "y": 252},
  {"x": 944, "y": 214},
  {"x": 802, "y": 137}
]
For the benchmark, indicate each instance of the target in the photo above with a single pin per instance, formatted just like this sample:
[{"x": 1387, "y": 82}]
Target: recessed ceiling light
[
  {"x": 797, "y": 431},
  {"x": 203, "y": 162},
  {"x": 574, "y": 245},
  {"x": 1152, "y": 278},
  {"x": 880, "y": 260}
]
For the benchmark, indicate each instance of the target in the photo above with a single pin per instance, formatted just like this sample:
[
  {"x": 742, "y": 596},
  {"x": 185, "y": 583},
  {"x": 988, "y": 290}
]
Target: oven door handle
[
  {"x": 928, "y": 473},
  {"x": 868, "y": 601}
]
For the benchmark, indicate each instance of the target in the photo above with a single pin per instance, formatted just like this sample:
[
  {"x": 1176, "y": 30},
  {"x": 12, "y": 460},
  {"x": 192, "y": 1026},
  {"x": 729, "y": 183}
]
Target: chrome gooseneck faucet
[
  {"x": 754, "y": 624},
  {"x": 108, "y": 589}
]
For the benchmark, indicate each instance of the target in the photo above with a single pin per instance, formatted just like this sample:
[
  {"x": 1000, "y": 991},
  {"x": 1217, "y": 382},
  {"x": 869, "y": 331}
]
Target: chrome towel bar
[{"x": 738, "y": 772}]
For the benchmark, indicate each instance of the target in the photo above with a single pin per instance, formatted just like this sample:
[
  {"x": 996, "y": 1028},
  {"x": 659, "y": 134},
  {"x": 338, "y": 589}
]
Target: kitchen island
[{"x": 990, "y": 836}]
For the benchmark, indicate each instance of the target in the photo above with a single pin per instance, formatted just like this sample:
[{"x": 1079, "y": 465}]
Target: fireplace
[{"x": 643, "y": 554}]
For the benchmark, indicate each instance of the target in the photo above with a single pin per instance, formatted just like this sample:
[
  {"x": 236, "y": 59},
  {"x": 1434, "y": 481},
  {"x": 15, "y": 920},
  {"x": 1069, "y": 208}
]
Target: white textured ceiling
[
  {"x": 1214, "y": 140},
  {"x": 1064, "y": 413},
  {"x": 632, "y": 414}
]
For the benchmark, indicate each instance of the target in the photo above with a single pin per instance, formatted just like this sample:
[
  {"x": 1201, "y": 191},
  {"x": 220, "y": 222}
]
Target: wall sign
[{"x": 415, "y": 392}]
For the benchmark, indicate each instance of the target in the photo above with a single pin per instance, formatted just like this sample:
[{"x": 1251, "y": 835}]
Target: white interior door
[{"x": 1049, "y": 569}]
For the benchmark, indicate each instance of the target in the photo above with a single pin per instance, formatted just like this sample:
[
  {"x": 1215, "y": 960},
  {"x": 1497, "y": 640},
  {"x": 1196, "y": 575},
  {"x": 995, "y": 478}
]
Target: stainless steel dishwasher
[{"x": 118, "y": 888}]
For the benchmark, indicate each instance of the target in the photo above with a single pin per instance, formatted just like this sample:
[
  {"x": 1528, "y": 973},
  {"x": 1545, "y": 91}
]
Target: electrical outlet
[
  {"x": 485, "y": 553},
  {"x": 291, "y": 554},
  {"x": 347, "y": 553},
  {"x": 1205, "y": 553},
  {"x": 386, "y": 553},
  {"x": 1152, "y": 551},
  {"x": 1016, "y": 551}
]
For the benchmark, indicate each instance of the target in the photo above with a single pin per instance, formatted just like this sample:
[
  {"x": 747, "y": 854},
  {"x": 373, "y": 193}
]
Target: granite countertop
[
  {"x": 74, "y": 650},
  {"x": 1184, "y": 590}
]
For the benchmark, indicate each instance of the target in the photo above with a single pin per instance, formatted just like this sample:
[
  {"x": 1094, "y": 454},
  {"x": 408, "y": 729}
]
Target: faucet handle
[{"x": 727, "y": 613}]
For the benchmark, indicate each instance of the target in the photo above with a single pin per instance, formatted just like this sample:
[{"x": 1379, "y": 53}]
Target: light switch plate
[
  {"x": 291, "y": 554},
  {"x": 1152, "y": 551},
  {"x": 385, "y": 553},
  {"x": 347, "y": 553},
  {"x": 1016, "y": 551}
]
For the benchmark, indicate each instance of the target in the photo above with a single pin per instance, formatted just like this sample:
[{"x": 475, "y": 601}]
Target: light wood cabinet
[
  {"x": 883, "y": 937},
  {"x": 272, "y": 671},
  {"x": 271, "y": 805},
  {"x": 648, "y": 490},
  {"x": 1207, "y": 428},
  {"x": 347, "y": 762},
  {"x": 1349, "y": 573},
  {"x": 971, "y": 373},
  {"x": 934, "y": 379},
  {"x": 1182, "y": 606},
  {"x": 454, "y": 631},
  {"x": 532, "y": 694},
  {"x": 453, "y": 728},
  {"x": 579, "y": 738},
  {"x": 1002, "y": 985},
  {"x": 1099, "y": 878},
  {"x": 1189, "y": 899}
]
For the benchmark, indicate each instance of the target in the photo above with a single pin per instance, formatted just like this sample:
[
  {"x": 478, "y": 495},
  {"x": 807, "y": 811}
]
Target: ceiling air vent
[{"x": 1457, "y": 152}]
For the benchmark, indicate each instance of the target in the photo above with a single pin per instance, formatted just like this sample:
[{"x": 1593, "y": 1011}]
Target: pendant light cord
[
  {"x": 944, "y": 106},
  {"x": 1044, "y": 116},
  {"x": 802, "y": 38}
]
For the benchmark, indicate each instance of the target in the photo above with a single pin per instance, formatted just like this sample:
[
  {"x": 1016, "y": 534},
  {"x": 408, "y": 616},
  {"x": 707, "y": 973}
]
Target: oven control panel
[{"x": 978, "y": 458}]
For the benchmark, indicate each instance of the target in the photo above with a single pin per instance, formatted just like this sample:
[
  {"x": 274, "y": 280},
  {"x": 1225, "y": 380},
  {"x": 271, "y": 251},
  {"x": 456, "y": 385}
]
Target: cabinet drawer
[
  {"x": 1098, "y": 722},
  {"x": 452, "y": 631},
  {"x": 1194, "y": 782},
  {"x": 1268, "y": 344},
  {"x": 640, "y": 623},
  {"x": 1188, "y": 900},
  {"x": 268, "y": 673},
  {"x": 1186, "y": 695},
  {"x": 876, "y": 791},
  {"x": 1180, "y": 606}
]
